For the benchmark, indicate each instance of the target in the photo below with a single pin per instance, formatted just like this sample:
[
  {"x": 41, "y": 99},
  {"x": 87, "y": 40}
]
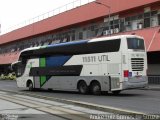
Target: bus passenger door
[{"x": 30, "y": 64}]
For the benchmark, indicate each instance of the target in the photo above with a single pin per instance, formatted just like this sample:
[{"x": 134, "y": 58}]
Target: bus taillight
[{"x": 126, "y": 73}]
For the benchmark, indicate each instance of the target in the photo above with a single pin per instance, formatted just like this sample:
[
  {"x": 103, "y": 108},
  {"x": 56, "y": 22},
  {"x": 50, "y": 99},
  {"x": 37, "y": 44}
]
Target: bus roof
[
  {"x": 55, "y": 45},
  {"x": 112, "y": 37},
  {"x": 41, "y": 49},
  {"x": 68, "y": 43},
  {"x": 80, "y": 42}
]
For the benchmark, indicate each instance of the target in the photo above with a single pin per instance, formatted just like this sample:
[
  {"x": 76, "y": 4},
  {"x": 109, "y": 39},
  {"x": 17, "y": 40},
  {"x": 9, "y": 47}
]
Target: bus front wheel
[
  {"x": 30, "y": 85},
  {"x": 82, "y": 87}
]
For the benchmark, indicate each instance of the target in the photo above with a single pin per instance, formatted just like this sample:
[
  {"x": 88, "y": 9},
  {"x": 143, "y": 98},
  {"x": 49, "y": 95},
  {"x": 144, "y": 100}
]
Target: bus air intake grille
[{"x": 137, "y": 64}]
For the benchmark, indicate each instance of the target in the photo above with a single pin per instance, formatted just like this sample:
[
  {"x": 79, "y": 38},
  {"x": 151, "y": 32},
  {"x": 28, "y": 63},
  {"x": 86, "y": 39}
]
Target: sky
[{"x": 13, "y": 12}]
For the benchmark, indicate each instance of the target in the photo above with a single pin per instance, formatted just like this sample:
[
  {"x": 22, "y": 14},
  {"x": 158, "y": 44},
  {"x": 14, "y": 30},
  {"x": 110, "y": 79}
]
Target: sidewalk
[{"x": 13, "y": 111}]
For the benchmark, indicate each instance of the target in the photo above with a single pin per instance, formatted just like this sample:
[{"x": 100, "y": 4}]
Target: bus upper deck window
[{"x": 135, "y": 43}]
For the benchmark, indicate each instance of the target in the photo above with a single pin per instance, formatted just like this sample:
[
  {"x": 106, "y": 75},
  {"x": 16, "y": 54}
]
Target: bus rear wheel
[
  {"x": 82, "y": 88},
  {"x": 116, "y": 92},
  {"x": 95, "y": 88}
]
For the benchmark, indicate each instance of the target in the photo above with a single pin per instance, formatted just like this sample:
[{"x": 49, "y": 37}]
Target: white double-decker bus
[{"x": 101, "y": 64}]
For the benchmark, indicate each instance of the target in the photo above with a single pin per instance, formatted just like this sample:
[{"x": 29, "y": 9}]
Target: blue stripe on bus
[
  {"x": 68, "y": 43},
  {"x": 56, "y": 61}
]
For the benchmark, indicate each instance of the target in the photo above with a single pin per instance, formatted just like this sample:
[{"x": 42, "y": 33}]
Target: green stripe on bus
[{"x": 42, "y": 63}]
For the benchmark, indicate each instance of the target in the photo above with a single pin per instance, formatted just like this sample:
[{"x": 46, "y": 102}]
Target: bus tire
[
  {"x": 82, "y": 87},
  {"x": 30, "y": 85},
  {"x": 116, "y": 92},
  {"x": 95, "y": 88}
]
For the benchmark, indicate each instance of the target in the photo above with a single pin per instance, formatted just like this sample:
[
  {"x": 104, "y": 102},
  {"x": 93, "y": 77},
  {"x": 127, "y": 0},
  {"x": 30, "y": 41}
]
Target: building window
[
  {"x": 116, "y": 26},
  {"x": 154, "y": 21},
  {"x": 99, "y": 32},
  {"x": 146, "y": 22},
  {"x": 154, "y": 18},
  {"x": 128, "y": 26},
  {"x": 134, "y": 22},
  {"x": 80, "y": 35},
  {"x": 143, "y": 20},
  {"x": 140, "y": 24},
  {"x": 122, "y": 26},
  {"x": 73, "y": 37},
  {"x": 147, "y": 15}
]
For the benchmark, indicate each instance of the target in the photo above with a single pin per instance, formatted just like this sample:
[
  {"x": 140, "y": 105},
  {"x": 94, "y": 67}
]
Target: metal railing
[
  {"x": 154, "y": 80},
  {"x": 46, "y": 15}
]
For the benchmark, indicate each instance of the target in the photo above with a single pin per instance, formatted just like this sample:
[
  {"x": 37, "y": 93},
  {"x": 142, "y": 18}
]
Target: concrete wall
[{"x": 154, "y": 69}]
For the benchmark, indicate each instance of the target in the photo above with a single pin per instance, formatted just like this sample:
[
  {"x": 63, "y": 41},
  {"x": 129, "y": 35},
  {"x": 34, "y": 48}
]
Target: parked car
[
  {"x": 10, "y": 76},
  {"x": 2, "y": 77}
]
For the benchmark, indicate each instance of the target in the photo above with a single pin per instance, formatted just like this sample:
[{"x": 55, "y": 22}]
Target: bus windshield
[
  {"x": 135, "y": 43},
  {"x": 18, "y": 68}
]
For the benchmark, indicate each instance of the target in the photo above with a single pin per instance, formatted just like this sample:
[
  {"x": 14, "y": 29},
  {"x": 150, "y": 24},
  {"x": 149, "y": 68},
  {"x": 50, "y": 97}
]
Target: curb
[{"x": 154, "y": 88}]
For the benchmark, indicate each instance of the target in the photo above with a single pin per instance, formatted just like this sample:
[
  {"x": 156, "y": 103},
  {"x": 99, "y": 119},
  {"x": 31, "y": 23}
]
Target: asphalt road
[{"x": 147, "y": 101}]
